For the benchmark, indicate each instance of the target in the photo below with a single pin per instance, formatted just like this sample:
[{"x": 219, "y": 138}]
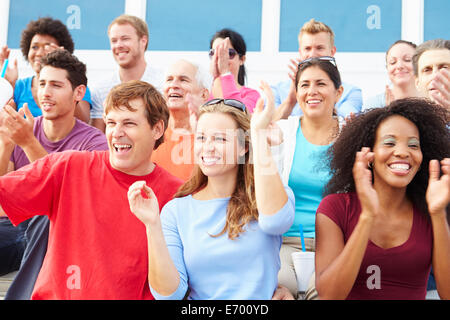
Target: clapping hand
[
  {"x": 363, "y": 182},
  {"x": 438, "y": 191},
  {"x": 441, "y": 83},
  {"x": 262, "y": 116}
]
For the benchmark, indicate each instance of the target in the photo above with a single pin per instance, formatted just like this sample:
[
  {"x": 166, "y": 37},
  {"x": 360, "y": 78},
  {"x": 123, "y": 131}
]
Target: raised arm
[
  {"x": 442, "y": 83},
  {"x": 21, "y": 132},
  {"x": 284, "y": 110},
  {"x": 438, "y": 199},
  {"x": 338, "y": 264},
  {"x": 270, "y": 193},
  {"x": 162, "y": 273}
]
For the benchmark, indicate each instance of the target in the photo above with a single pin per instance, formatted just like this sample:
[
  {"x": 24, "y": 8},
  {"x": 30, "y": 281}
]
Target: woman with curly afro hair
[
  {"x": 384, "y": 221},
  {"x": 40, "y": 37}
]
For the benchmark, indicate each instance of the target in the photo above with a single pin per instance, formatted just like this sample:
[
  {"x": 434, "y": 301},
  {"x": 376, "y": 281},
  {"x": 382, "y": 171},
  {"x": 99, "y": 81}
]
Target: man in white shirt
[{"x": 128, "y": 37}]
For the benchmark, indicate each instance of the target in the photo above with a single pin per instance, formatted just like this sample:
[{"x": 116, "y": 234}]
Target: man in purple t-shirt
[{"x": 23, "y": 139}]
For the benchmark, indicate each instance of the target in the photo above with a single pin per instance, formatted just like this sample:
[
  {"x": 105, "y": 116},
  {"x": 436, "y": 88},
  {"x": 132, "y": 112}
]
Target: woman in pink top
[
  {"x": 227, "y": 54},
  {"x": 384, "y": 222}
]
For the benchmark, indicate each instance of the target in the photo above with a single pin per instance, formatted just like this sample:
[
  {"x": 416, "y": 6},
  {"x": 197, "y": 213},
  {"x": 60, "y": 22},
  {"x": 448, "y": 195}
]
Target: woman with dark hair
[
  {"x": 227, "y": 58},
  {"x": 384, "y": 222},
  {"x": 40, "y": 37},
  {"x": 306, "y": 141},
  {"x": 220, "y": 236},
  {"x": 399, "y": 67}
]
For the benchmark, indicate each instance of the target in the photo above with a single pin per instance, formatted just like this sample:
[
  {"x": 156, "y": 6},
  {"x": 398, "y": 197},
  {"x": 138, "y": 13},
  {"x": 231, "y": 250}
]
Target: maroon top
[{"x": 396, "y": 273}]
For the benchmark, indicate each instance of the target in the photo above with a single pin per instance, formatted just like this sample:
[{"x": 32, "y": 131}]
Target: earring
[{"x": 370, "y": 165}]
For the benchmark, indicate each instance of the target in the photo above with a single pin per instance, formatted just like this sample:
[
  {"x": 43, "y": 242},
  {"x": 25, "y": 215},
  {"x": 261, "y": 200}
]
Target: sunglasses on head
[
  {"x": 231, "y": 53},
  {"x": 325, "y": 58},
  {"x": 229, "y": 102}
]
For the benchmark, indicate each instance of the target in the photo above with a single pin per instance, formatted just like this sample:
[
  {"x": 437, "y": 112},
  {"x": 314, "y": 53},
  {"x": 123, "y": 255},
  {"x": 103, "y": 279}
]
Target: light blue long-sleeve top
[{"x": 217, "y": 267}]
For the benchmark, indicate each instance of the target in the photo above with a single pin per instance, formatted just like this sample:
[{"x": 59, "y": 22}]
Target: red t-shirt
[
  {"x": 97, "y": 247},
  {"x": 396, "y": 273}
]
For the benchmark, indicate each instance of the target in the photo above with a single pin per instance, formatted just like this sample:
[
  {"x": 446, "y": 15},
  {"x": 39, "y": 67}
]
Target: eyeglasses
[
  {"x": 231, "y": 53},
  {"x": 229, "y": 102},
  {"x": 324, "y": 58}
]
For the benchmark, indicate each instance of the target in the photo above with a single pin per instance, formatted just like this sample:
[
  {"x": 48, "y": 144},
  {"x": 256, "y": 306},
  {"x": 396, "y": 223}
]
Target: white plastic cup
[
  {"x": 6, "y": 92},
  {"x": 304, "y": 268}
]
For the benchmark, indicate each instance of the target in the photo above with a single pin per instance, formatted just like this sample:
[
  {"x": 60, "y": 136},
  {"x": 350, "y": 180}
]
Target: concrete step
[{"x": 5, "y": 282}]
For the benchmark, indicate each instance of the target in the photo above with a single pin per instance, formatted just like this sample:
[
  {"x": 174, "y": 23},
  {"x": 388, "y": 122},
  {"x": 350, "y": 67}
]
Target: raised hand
[
  {"x": 12, "y": 73},
  {"x": 441, "y": 82},
  {"x": 195, "y": 101},
  {"x": 143, "y": 203},
  {"x": 438, "y": 191},
  {"x": 52, "y": 47},
  {"x": 388, "y": 96},
  {"x": 262, "y": 116},
  {"x": 5, "y": 139},
  {"x": 293, "y": 67},
  {"x": 20, "y": 129},
  {"x": 363, "y": 182},
  {"x": 213, "y": 66},
  {"x": 223, "y": 56}
]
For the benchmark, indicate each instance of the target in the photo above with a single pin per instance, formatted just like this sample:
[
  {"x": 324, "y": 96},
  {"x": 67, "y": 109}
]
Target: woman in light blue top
[
  {"x": 221, "y": 235},
  {"x": 301, "y": 156},
  {"x": 39, "y": 38},
  {"x": 400, "y": 71}
]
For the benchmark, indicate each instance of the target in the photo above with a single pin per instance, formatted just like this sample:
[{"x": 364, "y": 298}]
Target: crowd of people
[{"x": 189, "y": 184}]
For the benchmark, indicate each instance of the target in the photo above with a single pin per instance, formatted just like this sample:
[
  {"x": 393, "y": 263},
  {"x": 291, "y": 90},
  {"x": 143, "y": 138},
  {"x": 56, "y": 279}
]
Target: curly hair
[
  {"x": 46, "y": 26},
  {"x": 431, "y": 121}
]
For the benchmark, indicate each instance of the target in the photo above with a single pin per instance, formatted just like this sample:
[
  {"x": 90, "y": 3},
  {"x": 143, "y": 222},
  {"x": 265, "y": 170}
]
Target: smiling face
[
  {"x": 397, "y": 152},
  {"x": 315, "y": 45},
  {"x": 429, "y": 63},
  {"x": 131, "y": 138},
  {"x": 399, "y": 64},
  {"x": 216, "y": 149},
  {"x": 316, "y": 93},
  {"x": 126, "y": 46},
  {"x": 38, "y": 49},
  {"x": 180, "y": 81}
]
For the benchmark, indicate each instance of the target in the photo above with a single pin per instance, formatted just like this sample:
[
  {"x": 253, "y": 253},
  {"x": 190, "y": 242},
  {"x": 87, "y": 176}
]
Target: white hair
[{"x": 203, "y": 78}]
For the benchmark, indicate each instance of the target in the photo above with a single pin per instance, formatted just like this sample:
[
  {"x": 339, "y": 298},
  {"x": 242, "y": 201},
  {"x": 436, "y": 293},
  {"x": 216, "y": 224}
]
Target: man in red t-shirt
[{"x": 97, "y": 247}]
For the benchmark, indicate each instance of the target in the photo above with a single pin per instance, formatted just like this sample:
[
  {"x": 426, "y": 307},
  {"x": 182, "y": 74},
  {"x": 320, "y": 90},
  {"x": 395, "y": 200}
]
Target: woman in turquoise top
[
  {"x": 220, "y": 237},
  {"x": 306, "y": 140},
  {"x": 40, "y": 37}
]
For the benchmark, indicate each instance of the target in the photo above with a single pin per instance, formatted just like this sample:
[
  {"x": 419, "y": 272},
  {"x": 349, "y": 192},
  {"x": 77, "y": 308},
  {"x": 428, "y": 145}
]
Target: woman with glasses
[
  {"x": 227, "y": 58},
  {"x": 301, "y": 155},
  {"x": 384, "y": 220},
  {"x": 221, "y": 235},
  {"x": 400, "y": 71}
]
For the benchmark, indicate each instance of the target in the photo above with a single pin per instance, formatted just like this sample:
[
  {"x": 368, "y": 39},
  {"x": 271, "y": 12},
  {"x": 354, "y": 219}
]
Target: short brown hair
[
  {"x": 155, "y": 106},
  {"x": 435, "y": 44},
  {"x": 138, "y": 24},
  {"x": 314, "y": 27}
]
